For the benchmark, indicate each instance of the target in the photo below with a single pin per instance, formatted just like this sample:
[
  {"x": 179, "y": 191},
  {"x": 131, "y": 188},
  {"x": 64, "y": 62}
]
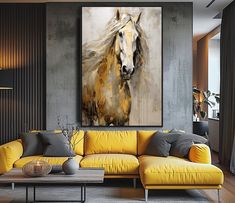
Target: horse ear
[
  {"x": 137, "y": 18},
  {"x": 117, "y": 15}
]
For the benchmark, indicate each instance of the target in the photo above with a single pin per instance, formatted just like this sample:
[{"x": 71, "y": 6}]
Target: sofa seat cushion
[
  {"x": 51, "y": 160},
  {"x": 177, "y": 171},
  {"x": 122, "y": 164}
]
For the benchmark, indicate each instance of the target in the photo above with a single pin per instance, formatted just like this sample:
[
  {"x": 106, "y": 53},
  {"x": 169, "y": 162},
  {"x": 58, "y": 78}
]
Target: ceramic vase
[{"x": 70, "y": 166}]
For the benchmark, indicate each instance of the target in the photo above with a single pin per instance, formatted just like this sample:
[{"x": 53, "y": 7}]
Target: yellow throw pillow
[
  {"x": 200, "y": 153},
  {"x": 9, "y": 153}
]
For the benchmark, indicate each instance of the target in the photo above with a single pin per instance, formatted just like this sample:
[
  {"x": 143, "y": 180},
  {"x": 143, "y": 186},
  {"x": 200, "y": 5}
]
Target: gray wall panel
[
  {"x": 62, "y": 63},
  {"x": 177, "y": 68}
]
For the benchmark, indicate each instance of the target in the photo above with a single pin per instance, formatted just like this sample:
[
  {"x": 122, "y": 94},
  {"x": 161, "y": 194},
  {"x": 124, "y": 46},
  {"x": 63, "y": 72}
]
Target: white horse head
[{"x": 126, "y": 44}]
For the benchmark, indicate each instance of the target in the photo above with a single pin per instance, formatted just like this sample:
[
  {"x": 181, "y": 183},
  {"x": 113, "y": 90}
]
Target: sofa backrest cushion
[
  {"x": 77, "y": 142},
  {"x": 111, "y": 142},
  {"x": 144, "y": 138}
]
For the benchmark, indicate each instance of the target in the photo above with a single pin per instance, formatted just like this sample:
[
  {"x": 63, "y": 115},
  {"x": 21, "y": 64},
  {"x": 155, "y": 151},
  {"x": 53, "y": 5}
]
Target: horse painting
[{"x": 108, "y": 65}]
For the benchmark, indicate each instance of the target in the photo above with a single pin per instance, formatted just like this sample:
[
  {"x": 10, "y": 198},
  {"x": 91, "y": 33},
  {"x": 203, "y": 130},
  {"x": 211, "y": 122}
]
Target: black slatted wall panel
[{"x": 22, "y": 49}]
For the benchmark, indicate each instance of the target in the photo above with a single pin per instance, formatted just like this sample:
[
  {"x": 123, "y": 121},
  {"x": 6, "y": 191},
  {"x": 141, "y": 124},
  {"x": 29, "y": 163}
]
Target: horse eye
[{"x": 120, "y": 34}]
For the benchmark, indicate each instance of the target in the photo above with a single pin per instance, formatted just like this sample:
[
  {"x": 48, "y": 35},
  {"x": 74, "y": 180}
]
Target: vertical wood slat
[{"x": 23, "y": 49}]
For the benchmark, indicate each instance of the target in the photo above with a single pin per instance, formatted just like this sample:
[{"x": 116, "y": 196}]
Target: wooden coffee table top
[{"x": 82, "y": 176}]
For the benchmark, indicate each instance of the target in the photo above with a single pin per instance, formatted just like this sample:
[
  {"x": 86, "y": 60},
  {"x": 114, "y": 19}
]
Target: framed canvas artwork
[{"x": 121, "y": 66}]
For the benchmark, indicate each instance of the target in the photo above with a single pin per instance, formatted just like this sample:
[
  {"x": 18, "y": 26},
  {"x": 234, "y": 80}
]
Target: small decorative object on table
[
  {"x": 70, "y": 166},
  {"x": 36, "y": 168}
]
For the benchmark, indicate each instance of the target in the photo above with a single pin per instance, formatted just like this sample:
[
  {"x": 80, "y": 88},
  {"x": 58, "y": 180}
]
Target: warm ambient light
[
  {"x": 6, "y": 88},
  {"x": 6, "y": 79}
]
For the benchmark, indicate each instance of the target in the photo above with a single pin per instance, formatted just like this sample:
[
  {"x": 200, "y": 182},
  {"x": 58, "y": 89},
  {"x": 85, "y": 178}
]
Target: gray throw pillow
[
  {"x": 56, "y": 145},
  {"x": 159, "y": 146},
  {"x": 183, "y": 142},
  {"x": 174, "y": 130},
  {"x": 32, "y": 144}
]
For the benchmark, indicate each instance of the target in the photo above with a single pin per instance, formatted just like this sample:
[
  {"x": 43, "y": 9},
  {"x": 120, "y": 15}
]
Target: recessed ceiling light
[{"x": 210, "y": 3}]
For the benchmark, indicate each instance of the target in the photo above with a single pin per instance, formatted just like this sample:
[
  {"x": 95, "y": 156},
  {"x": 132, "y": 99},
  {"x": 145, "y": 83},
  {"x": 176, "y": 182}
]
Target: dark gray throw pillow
[
  {"x": 32, "y": 144},
  {"x": 159, "y": 145},
  {"x": 56, "y": 145},
  {"x": 183, "y": 142}
]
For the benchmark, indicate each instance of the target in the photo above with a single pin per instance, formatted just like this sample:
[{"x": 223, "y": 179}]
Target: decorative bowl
[{"x": 36, "y": 168}]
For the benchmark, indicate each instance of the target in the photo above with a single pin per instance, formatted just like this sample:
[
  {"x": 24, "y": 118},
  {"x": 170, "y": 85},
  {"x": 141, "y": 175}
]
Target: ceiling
[
  {"x": 203, "y": 17},
  {"x": 203, "y": 21}
]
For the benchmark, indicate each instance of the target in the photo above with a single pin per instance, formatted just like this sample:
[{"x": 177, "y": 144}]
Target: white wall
[{"x": 214, "y": 70}]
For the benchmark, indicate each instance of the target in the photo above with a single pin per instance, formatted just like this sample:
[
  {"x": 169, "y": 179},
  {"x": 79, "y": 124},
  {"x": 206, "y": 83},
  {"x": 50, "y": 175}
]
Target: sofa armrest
[
  {"x": 200, "y": 153},
  {"x": 9, "y": 153}
]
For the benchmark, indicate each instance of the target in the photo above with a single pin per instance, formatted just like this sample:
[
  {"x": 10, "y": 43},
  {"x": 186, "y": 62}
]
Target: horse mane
[{"x": 94, "y": 52}]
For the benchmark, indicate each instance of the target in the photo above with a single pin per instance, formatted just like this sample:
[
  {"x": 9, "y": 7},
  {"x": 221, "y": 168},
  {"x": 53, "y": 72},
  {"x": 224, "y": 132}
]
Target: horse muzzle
[
  {"x": 126, "y": 76},
  {"x": 127, "y": 73}
]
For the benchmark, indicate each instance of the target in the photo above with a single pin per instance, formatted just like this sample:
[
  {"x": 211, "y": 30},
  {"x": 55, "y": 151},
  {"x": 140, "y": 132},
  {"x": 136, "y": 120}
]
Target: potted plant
[
  {"x": 199, "y": 99},
  {"x": 200, "y": 126},
  {"x": 68, "y": 131}
]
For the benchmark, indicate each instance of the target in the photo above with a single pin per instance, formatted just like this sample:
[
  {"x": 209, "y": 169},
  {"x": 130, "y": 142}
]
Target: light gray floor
[{"x": 113, "y": 191}]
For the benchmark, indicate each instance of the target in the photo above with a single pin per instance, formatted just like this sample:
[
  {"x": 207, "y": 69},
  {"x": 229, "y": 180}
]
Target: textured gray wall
[
  {"x": 177, "y": 66},
  {"x": 63, "y": 67},
  {"x": 62, "y": 63}
]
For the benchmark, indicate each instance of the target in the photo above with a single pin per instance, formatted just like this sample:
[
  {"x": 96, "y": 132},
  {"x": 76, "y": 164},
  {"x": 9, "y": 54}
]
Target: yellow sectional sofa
[{"x": 122, "y": 155}]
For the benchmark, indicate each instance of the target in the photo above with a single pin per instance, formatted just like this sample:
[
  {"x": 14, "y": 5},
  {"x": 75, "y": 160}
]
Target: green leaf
[
  {"x": 217, "y": 99},
  {"x": 208, "y": 93},
  {"x": 196, "y": 90},
  {"x": 203, "y": 114},
  {"x": 212, "y": 103},
  {"x": 205, "y": 95},
  {"x": 208, "y": 103}
]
